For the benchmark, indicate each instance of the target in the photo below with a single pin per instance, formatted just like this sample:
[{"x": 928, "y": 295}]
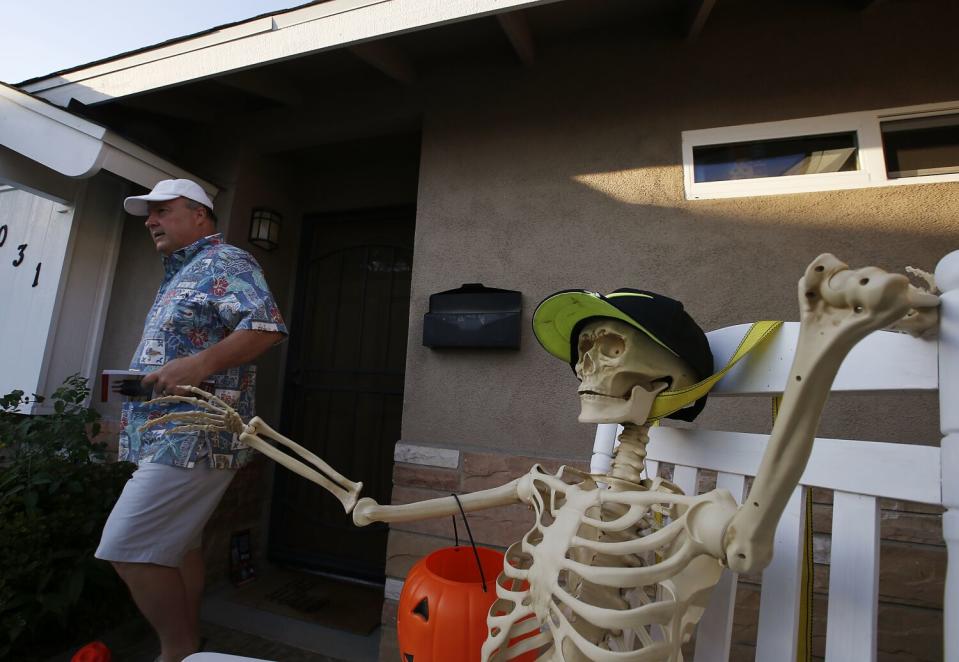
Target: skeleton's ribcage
[{"x": 603, "y": 575}]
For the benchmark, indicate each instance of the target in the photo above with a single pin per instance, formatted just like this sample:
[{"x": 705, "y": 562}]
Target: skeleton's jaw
[{"x": 632, "y": 408}]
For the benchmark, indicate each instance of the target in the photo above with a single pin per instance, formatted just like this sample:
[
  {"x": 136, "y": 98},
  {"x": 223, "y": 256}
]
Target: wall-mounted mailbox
[{"x": 473, "y": 316}]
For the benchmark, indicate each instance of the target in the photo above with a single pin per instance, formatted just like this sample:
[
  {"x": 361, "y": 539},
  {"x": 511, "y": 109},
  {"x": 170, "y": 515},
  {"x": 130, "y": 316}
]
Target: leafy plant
[{"x": 55, "y": 494}]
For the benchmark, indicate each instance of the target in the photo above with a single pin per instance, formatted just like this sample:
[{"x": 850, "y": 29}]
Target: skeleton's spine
[{"x": 629, "y": 458}]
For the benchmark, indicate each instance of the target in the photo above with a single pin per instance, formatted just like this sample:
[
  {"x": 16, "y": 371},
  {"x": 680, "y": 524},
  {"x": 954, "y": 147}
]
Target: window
[
  {"x": 921, "y": 146},
  {"x": 781, "y": 157},
  {"x": 852, "y": 150}
]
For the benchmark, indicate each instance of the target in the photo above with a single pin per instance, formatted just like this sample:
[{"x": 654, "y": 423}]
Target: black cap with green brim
[{"x": 560, "y": 316}]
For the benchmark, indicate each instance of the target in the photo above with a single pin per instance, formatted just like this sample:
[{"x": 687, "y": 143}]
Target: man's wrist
[{"x": 204, "y": 363}]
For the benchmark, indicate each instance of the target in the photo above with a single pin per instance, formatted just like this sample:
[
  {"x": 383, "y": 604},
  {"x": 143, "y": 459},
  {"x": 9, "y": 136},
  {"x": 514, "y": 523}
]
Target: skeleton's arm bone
[
  {"x": 368, "y": 511},
  {"x": 749, "y": 536},
  {"x": 839, "y": 307},
  {"x": 213, "y": 414},
  {"x": 338, "y": 485}
]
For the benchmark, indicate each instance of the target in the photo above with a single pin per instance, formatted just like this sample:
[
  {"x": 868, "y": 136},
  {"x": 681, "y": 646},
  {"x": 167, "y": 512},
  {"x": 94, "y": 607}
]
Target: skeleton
[{"x": 616, "y": 567}]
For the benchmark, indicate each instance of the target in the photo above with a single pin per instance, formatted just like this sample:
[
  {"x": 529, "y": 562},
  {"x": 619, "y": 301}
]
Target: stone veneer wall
[{"x": 913, "y": 555}]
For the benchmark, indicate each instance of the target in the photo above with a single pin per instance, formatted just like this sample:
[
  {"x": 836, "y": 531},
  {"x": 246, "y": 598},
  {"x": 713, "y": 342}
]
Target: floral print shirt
[{"x": 209, "y": 290}]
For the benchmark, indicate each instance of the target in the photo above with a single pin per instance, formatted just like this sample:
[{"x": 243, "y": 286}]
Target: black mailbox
[{"x": 473, "y": 316}]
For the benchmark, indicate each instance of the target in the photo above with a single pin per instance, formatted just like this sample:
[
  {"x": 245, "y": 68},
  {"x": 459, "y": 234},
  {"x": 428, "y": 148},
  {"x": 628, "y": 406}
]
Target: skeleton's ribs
[{"x": 838, "y": 307}]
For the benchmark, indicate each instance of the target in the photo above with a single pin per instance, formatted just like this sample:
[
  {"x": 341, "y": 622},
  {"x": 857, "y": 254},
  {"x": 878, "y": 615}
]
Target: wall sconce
[{"x": 265, "y": 228}]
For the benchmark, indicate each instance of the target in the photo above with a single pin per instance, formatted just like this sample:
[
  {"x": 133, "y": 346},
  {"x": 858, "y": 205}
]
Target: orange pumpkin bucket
[{"x": 441, "y": 615}]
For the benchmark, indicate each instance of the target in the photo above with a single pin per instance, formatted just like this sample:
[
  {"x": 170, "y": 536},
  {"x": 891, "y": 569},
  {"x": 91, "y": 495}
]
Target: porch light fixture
[{"x": 265, "y": 228}]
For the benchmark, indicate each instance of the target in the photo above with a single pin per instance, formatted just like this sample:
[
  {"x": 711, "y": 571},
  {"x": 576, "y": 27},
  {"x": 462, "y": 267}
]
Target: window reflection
[{"x": 783, "y": 157}]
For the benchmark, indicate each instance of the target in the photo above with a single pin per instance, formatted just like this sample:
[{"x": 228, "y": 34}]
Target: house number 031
[{"x": 21, "y": 253}]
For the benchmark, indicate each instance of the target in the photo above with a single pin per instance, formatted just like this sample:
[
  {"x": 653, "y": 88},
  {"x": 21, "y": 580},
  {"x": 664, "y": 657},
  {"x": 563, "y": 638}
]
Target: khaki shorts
[{"x": 161, "y": 513}]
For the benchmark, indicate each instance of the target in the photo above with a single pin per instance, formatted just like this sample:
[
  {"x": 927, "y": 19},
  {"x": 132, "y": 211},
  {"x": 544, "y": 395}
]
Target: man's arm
[{"x": 236, "y": 349}]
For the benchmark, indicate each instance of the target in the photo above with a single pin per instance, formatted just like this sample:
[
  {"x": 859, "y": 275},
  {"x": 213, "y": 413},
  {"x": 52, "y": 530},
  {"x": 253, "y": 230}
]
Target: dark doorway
[{"x": 343, "y": 397}]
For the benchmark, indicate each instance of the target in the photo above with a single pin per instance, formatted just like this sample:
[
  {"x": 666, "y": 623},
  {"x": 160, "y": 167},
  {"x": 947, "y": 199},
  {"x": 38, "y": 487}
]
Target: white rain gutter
[{"x": 45, "y": 150}]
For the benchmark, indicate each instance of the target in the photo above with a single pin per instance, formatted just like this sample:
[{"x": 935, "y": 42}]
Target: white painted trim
[
  {"x": 685, "y": 478},
  {"x": 918, "y": 477},
  {"x": 866, "y": 125},
  {"x": 12, "y": 95},
  {"x": 72, "y": 147},
  {"x": 101, "y": 299},
  {"x": 70, "y": 215},
  {"x": 853, "y": 609},
  {"x": 778, "y": 626},
  {"x": 882, "y": 361},
  {"x": 652, "y": 468},
  {"x": 715, "y": 630},
  {"x": 139, "y": 166},
  {"x": 947, "y": 277},
  {"x": 311, "y": 29},
  {"x": 23, "y": 173}
]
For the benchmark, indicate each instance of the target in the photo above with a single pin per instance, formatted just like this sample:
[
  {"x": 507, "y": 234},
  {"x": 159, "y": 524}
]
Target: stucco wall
[
  {"x": 261, "y": 182},
  {"x": 570, "y": 176}
]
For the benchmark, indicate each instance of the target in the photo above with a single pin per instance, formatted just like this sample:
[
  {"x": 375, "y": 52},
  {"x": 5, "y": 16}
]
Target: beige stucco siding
[{"x": 570, "y": 175}]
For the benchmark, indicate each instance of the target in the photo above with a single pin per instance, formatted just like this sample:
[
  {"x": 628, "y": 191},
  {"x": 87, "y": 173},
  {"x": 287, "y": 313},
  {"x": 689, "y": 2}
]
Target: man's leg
[
  {"x": 161, "y": 596},
  {"x": 192, "y": 573}
]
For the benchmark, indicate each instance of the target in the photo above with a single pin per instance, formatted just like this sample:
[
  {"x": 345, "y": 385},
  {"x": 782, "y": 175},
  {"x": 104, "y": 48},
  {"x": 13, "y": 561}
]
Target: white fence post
[{"x": 947, "y": 279}]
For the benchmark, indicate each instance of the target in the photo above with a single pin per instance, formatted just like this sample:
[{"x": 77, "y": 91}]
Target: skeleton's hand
[
  {"x": 867, "y": 298},
  {"x": 215, "y": 415},
  {"x": 919, "y": 319}
]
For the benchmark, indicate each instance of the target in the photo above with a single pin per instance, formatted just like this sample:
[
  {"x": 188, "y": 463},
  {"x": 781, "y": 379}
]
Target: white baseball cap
[{"x": 168, "y": 189}]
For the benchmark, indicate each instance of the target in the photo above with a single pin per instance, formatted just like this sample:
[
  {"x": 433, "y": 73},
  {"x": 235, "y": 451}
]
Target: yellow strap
[{"x": 669, "y": 401}]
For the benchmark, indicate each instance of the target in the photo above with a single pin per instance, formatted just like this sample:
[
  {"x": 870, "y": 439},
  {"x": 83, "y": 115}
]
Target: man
[{"x": 212, "y": 316}]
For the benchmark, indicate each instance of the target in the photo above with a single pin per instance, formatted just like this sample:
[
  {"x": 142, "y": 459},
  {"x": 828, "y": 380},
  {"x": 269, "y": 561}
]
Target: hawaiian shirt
[{"x": 209, "y": 290}]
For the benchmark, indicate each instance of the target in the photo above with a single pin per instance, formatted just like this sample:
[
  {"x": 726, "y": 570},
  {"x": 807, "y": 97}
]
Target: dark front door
[{"x": 344, "y": 384}]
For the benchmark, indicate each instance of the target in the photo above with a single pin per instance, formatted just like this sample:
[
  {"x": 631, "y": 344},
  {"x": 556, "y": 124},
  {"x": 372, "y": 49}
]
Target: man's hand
[{"x": 185, "y": 371}]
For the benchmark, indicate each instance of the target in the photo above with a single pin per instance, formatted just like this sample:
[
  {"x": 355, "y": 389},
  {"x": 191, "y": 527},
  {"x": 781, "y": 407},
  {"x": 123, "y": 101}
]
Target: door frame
[{"x": 311, "y": 224}]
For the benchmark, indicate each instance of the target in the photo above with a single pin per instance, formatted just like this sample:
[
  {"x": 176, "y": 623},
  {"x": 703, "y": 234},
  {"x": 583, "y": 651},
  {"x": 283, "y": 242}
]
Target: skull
[{"x": 622, "y": 370}]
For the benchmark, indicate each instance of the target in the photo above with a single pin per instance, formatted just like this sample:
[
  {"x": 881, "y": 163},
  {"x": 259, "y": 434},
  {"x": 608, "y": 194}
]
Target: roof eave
[
  {"x": 309, "y": 29},
  {"x": 64, "y": 145}
]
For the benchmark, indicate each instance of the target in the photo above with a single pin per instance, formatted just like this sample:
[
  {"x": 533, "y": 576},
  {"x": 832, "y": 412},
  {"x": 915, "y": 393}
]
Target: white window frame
[{"x": 865, "y": 124}]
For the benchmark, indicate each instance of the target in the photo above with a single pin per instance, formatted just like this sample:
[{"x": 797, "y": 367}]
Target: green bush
[{"x": 55, "y": 495}]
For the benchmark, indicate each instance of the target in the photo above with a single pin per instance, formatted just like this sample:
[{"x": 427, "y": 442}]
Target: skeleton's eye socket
[
  {"x": 585, "y": 344},
  {"x": 611, "y": 345}
]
